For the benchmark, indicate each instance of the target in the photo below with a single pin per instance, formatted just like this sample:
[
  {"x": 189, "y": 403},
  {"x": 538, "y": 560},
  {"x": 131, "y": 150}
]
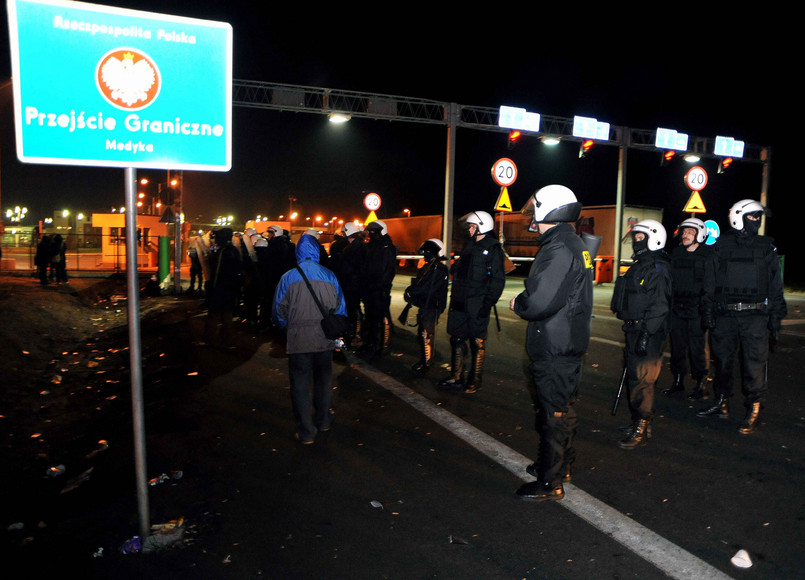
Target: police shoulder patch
[{"x": 588, "y": 262}]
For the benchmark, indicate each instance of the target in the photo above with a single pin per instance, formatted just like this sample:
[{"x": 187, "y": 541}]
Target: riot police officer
[
  {"x": 689, "y": 260},
  {"x": 557, "y": 303},
  {"x": 478, "y": 281},
  {"x": 428, "y": 292},
  {"x": 380, "y": 268},
  {"x": 744, "y": 304},
  {"x": 642, "y": 299}
]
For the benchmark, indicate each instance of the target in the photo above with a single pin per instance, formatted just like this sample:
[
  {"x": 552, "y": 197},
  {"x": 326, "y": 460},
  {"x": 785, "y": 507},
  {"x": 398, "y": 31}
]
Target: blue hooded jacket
[{"x": 296, "y": 311}]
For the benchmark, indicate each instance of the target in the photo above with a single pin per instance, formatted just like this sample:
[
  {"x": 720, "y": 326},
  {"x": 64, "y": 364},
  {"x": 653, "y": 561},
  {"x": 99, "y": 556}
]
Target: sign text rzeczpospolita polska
[{"x": 81, "y": 121}]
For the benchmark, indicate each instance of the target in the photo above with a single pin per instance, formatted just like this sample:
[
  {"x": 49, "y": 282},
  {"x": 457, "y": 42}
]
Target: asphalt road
[{"x": 412, "y": 482}]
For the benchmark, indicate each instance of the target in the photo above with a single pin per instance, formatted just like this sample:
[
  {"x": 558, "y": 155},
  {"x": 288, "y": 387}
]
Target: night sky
[{"x": 704, "y": 74}]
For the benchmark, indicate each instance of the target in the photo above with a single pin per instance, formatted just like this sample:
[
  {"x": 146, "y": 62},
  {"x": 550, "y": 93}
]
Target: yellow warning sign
[
  {"x": 372, "y": 217},
  {"x": 695, "y": 204},
  {"x": 503, "y": 203}
]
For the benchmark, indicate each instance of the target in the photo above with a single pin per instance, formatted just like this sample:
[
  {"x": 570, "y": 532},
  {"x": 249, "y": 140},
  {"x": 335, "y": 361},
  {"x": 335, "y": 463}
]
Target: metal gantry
[{"x": 324, "y": 101}]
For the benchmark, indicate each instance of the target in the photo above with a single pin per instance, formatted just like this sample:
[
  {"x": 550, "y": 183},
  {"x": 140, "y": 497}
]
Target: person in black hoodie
[
  {"x": 479, "y": 277},
  {"x": 223, "y": 288},
  {"x": 379, "y": 270},
  {"x": 428, "y": 292},
  {"x": 557, "y": 303},
  {"x": 642, "y": 299}
]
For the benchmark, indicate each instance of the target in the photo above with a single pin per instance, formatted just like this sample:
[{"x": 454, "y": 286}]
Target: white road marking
[{"x": 667, "y": 556}]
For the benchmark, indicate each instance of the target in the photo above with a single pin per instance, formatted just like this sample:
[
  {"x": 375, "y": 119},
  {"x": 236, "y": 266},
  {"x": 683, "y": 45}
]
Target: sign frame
[{"x": 188, "y": 125}]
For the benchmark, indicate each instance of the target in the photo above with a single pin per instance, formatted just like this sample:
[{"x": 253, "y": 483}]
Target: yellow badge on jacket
[{"x": 588, "y": 262}]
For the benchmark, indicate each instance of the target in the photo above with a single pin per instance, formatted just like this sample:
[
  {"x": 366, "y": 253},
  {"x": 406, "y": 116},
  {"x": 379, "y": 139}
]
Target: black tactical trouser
[
  {"x": 642, "y": 372},
  {"x": 557, "y": 382},
  {"x": 689, "y": 339},
  {"x": 746, "y": 336}
]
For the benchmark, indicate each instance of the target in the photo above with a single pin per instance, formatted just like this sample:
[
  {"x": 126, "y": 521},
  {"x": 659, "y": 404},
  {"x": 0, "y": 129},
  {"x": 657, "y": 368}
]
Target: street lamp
[{"x": 407, "y": 212}]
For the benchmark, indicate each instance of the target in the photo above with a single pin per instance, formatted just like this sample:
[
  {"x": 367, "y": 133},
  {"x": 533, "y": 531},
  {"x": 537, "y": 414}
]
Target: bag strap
[{"x": 312, "y": 293}]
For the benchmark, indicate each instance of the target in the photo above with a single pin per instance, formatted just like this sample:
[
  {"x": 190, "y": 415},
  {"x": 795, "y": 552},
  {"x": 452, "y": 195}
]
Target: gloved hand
[
  {"x": 641, "y": 348},
  {"x": 774, "y": 329}
]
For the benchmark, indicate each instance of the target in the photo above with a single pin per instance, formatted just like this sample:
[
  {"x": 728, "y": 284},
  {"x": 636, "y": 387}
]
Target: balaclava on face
[
  {"x": 752, "y": 227},
  {"x": 640, "y": 247}
]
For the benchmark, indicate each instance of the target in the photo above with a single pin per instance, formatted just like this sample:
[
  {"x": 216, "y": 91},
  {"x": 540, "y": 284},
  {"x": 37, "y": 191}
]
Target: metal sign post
[{"x": 135, "y": 348}]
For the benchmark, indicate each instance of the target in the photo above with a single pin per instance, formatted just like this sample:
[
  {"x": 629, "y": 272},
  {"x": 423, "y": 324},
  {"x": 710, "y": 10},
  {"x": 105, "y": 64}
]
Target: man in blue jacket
[{"x": 310, "y": 353}]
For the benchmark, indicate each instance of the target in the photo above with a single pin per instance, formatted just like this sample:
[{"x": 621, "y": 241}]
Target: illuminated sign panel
[
  {"x": 102, "y": 86},
  {"x": 670, "y": 139},
  {"x": 729, "y": 147},
  {"x": 517, "y": 118},
  {"x": 590, "y": 128}
]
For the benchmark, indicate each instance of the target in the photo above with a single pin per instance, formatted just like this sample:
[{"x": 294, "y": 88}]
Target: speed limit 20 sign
[
  {"x": 696, "y": 178},
  {"x": 504, "y": 172}
]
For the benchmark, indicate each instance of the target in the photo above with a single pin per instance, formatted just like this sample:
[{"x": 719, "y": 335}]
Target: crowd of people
[{"x": 723, "y": 300}]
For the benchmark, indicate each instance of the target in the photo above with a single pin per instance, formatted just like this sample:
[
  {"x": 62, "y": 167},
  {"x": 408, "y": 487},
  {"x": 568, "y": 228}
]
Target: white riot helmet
[
  {"x": 552, "y": 204},
  {"x": 277, "y": 230},
  {"x": 655, "y": 233},
  {"x": 481, "y": 219},
  {"x": 249, "y": 232},
  {"x": 260, "y": 242},
  {"x": 313, "y": 232},
  {"x": 378, "y": 225},
  {"x": 434, "y": 245},
  {"x": 350, "y": 229},
  {"x": 697, "y": 225},
  {"x": 745, "y": 206}
]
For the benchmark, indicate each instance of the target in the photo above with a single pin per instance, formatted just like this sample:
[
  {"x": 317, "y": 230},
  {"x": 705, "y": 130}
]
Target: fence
[{"x": 84, "y": 252}]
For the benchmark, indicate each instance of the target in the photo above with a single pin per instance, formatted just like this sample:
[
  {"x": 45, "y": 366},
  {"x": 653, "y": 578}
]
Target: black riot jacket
[
  {"x": 643, "y": 293},
  {"x": 746, "y": 269},
  {"x": 689, "y": 271},
  {"x": 558, "y": 296}
]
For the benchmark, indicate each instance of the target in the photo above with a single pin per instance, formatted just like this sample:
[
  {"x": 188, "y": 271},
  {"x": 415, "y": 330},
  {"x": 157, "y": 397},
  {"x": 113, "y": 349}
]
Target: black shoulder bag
[{"x": 334, "y": 325}]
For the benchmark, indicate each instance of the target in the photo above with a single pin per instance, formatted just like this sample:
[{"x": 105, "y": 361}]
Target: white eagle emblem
[{"x": 127, "y": 81}]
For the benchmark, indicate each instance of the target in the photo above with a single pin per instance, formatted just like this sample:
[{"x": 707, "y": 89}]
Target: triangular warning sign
[
  {"x": 372, "y": 217},
  {"x": 503, "y": 203},
  {"x": 695, "y": 204}
]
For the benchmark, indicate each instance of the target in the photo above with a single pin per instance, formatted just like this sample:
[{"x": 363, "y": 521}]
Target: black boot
[
  {"x": 455, "y": 382},
  {"x": 539, "y": 491},
  {"x": 750, "y": 422},
  {"x": 720, "y": 409},
  {"x": 531, "y": 469},
  {"x": 678, "y": 386},
  {"x": 426, "y": 353},
  {"x": 700, "y": 390},
  {"x": 638, "y": 436},
  {"x": 478, "y": 349}
]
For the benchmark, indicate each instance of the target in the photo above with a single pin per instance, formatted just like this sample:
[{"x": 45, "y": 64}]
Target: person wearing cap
[
  {"x": 428, "y": 292},
  {"x": 689, "y": 263},
  {"x": 380, "y": 267},
  {"x": 557, "y": 303},
  {"x": 743, "y": 308},
  {"x": 642, "y": 300},
  {"x": 479, "y": 277}
]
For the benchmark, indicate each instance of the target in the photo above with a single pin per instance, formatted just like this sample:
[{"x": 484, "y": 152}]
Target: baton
[{"x": 620, "y": 392}]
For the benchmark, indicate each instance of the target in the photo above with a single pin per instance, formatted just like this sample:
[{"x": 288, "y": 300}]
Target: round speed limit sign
[
  {"x": 504, "y": 172},
  {"x": 696, "y": 178},
  {"x": 371, "y": 202}
]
